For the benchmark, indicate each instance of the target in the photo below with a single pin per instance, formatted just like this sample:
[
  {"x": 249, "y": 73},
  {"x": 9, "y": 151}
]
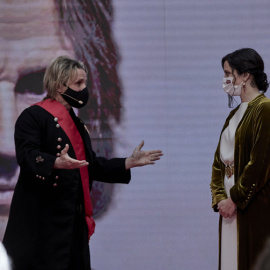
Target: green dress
[{"x": 251, "y": 192}]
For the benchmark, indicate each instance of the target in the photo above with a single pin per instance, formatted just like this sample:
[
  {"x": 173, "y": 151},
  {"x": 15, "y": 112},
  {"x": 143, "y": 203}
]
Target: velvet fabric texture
[{"x": 251, "y": 192}]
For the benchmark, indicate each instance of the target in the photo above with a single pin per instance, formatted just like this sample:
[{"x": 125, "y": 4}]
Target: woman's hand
[
  {"x": 66, "y": 162},
  {"x": 227, "y": 208},
  {"x": 141, "y": 158}
]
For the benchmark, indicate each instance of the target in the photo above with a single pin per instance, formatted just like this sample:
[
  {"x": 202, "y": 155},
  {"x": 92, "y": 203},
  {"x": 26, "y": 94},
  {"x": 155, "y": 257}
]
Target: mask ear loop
[
  {"x": 244, "y": 86},
  {"x": 232, "y": 101}
]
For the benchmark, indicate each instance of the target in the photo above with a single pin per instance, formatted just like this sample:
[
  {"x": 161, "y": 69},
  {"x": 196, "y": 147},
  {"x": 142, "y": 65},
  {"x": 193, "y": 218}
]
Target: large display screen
[{"x": 154, "y": 74}]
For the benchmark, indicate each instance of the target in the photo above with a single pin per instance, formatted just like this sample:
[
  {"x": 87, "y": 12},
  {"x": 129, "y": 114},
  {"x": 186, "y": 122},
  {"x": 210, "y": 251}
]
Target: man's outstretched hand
[{"x": 141, "y": 158}]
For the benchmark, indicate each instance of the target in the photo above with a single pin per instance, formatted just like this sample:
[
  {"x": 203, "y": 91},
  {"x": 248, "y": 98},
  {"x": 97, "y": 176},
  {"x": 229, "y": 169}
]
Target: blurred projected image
[{"x": 32, "y": 33}]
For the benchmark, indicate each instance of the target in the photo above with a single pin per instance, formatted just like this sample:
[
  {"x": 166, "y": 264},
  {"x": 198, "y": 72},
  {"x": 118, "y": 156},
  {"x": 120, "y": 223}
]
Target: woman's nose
[{"x": 8, "y": 115}]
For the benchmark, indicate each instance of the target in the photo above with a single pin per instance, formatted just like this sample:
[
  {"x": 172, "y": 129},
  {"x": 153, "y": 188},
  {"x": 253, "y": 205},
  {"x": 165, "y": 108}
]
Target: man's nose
[{"x": 8, "y": 115}]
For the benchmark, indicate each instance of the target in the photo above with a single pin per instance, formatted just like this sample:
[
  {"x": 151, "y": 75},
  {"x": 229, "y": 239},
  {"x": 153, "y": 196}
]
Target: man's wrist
[{"x": 130, "y": 163}]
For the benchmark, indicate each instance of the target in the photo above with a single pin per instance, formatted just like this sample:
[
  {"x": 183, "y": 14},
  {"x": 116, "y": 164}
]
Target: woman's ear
[{"x": 246, "y": 76}]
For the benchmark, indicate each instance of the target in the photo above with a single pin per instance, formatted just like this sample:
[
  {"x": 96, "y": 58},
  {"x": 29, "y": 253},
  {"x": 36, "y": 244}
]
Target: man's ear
[{"x": 62, "y": 89}]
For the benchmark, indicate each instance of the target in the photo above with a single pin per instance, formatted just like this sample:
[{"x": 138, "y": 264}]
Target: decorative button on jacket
[{"x": 39, "y": 159}]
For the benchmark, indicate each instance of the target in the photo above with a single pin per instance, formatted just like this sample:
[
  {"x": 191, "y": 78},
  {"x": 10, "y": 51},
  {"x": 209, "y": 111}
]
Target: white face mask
[{"x": 229, "y": 88}]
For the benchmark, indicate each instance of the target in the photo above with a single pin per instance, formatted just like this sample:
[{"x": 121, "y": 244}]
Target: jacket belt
[{"x": 229, "y": 170}]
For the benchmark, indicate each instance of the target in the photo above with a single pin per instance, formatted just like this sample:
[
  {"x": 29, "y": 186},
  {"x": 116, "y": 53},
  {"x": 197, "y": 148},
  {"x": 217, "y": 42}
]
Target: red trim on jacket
[{"x": 67, "y": 124}]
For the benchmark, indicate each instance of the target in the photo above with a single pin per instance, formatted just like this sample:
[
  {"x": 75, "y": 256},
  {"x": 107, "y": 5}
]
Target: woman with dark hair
[{"x": 241, "y": 167}]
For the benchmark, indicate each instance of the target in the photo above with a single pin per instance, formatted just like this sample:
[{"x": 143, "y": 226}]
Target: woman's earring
[{"x": 244, "y": 86}]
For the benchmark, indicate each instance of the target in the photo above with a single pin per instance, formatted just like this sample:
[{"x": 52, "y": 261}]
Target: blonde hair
[{"x": 59, "y": 73}]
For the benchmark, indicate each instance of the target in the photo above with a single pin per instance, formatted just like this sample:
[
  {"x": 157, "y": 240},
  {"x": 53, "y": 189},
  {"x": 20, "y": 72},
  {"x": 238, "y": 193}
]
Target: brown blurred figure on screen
[{"x": 32, "y": 33}]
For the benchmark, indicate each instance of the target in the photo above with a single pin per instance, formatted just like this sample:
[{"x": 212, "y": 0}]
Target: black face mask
[{"x": 76, "y": 99}]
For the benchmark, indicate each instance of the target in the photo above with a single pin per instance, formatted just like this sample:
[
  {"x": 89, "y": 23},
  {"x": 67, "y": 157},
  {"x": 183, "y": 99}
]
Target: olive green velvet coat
[{"x": 251, "y": 192}]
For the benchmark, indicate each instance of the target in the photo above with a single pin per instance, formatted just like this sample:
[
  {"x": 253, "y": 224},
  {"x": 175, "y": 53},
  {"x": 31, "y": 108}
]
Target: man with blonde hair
[
  {"x": 32, "y": 34},
  {"x": 51, "y": 215}
]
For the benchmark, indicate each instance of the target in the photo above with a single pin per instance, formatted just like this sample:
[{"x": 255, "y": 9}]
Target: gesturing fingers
[
  {"x": 66, "y": 162},
  {"x": 78, "y": 163},
  {"x": 65, "y": 150},
  {"x": 139, "y": 147},
  {"x": 156, "y": 152},
  {"x": 142, "y": 158},
  {"x": 154, "y": 155},
  {"x": 70, "y": 163}
]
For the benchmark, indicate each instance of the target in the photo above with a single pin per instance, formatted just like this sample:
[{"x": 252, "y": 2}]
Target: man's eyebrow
[
  {"x": 80, "y": 79},
  {"x": 30, "y": 81}
]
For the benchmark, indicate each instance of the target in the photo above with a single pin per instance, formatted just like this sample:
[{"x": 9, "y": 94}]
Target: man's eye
[{"x": 30, "y": 82}]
